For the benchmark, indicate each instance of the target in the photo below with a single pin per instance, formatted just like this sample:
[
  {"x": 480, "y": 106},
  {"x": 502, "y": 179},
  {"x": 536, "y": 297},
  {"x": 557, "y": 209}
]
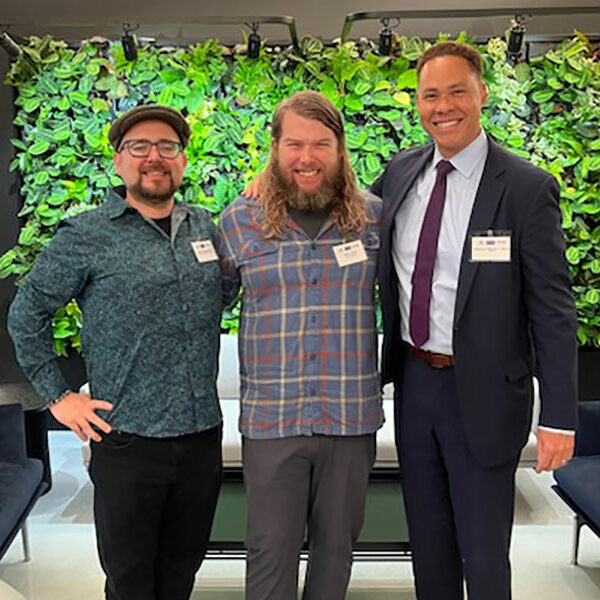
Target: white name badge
[
  {"x": 204, "y": 251},
  {"x": 490, "y": 247},
  {"x": 350, "y": 253}
]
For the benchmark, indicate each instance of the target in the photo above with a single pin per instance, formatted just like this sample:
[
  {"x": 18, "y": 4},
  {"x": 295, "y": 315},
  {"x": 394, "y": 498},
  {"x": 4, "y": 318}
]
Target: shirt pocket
[{"x": 258, "y": 261}]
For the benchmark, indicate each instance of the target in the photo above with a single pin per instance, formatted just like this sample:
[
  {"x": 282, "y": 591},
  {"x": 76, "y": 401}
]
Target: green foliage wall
[{"x": 548, "y": 111}]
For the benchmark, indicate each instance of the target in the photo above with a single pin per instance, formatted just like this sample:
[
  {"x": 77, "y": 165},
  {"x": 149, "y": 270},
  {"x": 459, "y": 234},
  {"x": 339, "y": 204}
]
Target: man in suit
[{"x": 476, "y": 297}]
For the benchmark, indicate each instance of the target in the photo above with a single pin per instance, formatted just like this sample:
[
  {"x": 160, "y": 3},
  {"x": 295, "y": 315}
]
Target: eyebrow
[
  {"x": 320, "y": 140},
  {"x": 450, "y": 87},
  {"x": 147, "y": 140}
]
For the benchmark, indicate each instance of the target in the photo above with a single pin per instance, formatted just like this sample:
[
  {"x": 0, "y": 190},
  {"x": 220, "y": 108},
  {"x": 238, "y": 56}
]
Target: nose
[
  {"x": 306, "y": 154},
  {"x": 154, "y": 155},
  {"x": 443, "y": 103}
]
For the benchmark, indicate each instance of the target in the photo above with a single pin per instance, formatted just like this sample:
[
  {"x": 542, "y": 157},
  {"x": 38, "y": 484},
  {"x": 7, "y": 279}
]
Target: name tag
[
  {"x": 204, "y": 251},
  {"x": 491, "y": 247},
  {"x": 350, "y": 253}
]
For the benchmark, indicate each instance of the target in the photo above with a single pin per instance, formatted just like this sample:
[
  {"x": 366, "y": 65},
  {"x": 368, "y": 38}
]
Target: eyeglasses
[{"x": 142, "y": 148}]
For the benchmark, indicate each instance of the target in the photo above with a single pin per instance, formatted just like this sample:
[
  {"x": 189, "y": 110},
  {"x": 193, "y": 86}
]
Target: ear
[
  {"x": 484, "y": 93},
  {"x": 117, "y": 162}
]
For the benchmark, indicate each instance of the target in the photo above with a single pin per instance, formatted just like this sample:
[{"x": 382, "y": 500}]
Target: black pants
[{"x": 154, "y": 502}]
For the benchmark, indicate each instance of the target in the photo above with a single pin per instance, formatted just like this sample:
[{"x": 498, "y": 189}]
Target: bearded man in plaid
[{"x": 305, "y": 254}]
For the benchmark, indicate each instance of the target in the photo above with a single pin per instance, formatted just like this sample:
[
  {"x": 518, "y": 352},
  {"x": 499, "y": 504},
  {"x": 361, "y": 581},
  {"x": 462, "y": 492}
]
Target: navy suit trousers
[{"x": 459, "y": 512}]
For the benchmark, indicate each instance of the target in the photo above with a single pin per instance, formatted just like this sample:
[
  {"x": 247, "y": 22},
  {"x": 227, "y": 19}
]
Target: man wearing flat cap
[{"x": 145, "y": 273}]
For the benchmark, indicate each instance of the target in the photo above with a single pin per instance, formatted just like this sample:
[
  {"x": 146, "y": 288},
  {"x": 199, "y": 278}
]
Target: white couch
[{"x": 228, "y": 386}]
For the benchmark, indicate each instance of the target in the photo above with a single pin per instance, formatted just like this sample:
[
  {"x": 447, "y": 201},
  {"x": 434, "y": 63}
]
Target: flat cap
[{"x": 146, "y": 113}]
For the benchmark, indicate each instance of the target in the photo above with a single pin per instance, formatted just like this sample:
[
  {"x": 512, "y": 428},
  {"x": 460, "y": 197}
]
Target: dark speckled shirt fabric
[{"x": 151, "y": 317}]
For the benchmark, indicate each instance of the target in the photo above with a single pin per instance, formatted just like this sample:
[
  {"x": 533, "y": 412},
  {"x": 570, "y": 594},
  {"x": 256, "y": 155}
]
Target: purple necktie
[{"x": 425, "y": 259}]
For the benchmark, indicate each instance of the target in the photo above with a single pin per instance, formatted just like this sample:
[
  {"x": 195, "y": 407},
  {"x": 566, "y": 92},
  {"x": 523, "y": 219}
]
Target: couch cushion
[
  {"x": 580, "y": 480},
  {"x": 18, "y": 483}
]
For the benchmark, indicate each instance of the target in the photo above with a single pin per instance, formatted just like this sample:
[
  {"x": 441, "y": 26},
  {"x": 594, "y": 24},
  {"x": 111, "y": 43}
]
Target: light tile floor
[{"x": 64, "y": 565}]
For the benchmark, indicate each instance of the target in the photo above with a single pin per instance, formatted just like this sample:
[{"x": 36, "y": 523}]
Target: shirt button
[
  {"x": 313, "y": 356},
  {"x": 313, "y": 319},
  {"x": 313, "y": 391},
  {"x": 313, "y": 246},
  {"x": 314, "y": 281}
]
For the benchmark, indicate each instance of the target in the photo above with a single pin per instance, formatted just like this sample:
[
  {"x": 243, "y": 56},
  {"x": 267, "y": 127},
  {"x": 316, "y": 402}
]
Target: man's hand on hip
[
  {"x": 77, "y": 412},
  {"x": 554, "y": 449}
]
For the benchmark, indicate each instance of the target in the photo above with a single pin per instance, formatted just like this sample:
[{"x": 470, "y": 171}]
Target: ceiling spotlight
[
  {"x": 253, "y": 42},
  {"x": 386, "y": 37},
  {"x": 129, "y": 44},
  {"x": 12, "y": 48},
  {"x": 515, "y": 37}
]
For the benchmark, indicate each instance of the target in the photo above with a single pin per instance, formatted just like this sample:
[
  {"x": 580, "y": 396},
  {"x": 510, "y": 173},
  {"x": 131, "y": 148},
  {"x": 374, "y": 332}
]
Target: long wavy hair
[{"x": 350, "y": 210}]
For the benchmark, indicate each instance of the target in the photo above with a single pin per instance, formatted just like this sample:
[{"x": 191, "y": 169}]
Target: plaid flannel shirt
[{"x": 307, "y": 339}]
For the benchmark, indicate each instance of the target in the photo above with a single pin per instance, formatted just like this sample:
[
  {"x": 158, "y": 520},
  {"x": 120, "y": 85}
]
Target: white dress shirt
[{"x": 461, "y": 188}]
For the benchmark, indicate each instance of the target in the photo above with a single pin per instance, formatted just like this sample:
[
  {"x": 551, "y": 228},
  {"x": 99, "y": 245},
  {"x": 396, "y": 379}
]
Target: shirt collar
[
  {"x": 116, "y": 204},
  {"x": 468, "y": 158}
]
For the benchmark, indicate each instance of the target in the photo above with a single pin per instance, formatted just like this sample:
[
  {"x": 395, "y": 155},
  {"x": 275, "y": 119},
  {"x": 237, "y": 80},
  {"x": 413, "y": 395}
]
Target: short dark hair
[
  {"x": 310, "y": 105},
  {"x": 470, "y": 54}
]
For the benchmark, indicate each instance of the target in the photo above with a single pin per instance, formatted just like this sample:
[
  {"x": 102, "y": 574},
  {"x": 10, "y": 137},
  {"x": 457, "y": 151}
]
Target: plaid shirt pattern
[{"x": 307, "y": 339}]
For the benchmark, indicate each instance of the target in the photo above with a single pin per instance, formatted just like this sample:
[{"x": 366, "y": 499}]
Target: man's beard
[
  {"x": 151, "y": 194},
  {"x": 330, "y": 193}
]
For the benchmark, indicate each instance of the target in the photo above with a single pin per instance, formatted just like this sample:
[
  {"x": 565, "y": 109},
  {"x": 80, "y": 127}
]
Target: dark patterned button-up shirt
[
  {"x": 307, "y": 339},
  {"x": 151, "y": 316}
]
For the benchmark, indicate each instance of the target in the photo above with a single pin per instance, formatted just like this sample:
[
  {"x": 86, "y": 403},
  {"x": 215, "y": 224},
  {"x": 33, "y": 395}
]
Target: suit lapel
[
  {"x": 403, "y": 178},
  {"x": 486, "y": 203}
]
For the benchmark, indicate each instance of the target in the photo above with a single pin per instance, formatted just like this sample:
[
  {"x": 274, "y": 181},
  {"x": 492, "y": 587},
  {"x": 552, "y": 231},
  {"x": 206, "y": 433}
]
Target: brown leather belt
[{"x": 439, "y": 361}]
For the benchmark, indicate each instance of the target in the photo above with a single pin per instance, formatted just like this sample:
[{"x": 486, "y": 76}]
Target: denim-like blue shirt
[{"x": 151, "y": 314}]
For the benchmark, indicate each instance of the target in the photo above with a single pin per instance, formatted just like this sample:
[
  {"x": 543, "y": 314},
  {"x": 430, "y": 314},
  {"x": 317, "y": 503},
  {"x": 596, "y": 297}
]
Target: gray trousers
[{"x": 304, "y": 486}]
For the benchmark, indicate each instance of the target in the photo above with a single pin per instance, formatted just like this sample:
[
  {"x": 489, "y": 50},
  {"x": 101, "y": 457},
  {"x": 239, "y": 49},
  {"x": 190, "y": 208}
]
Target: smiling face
[
  {"x": 151, "y": 180},
  {"x": 449, "y": 100},
  {"x": 306, "y": 153}
]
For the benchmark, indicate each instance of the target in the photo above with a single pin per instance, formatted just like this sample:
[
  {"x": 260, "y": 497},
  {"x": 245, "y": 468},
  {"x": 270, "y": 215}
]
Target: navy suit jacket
[{"x": 511, "y": 319}]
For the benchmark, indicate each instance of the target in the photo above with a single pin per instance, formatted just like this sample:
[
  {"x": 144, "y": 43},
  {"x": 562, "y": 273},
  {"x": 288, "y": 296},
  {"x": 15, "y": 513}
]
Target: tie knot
[{"x": 444, "y": 167}]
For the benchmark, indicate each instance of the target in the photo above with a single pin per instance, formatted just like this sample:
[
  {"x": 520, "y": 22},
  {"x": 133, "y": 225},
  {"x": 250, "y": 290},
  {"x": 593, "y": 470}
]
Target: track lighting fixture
[
  {"x": 11, "y": 47},
  {"x": 253, "y": 41},
  {"x": 129, "y": 44},
  {"x": 386, "y": 37},
  {"x": 515, "y": 37}
]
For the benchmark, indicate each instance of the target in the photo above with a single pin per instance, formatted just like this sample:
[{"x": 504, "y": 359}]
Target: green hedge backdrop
[{"x": 547, "y": 111}]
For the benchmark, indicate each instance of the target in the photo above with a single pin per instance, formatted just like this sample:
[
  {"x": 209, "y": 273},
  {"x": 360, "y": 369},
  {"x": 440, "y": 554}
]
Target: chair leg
[
  {"x": 577, "y": 525},
  {"x": 25, "y": 540}
]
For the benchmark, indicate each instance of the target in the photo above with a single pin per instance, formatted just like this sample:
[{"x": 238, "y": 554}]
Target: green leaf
[
  {"x": 515, "y": 141},
  {"x": 383, "y": 99},
  {"x": 170, "y": 76},
  {"x": 64, "y": 103},
  {"x": 41, "y": 178},
  {"x": 554, "y": 83},
  {"x": 98, "y": 105},
  {"x": 28, "y": 235},
  {"x": 79, "y": 98},
  {"x": 573, "y": 255},
  {"x": 403, "y": 98},
  {"x": 180, "y": 88},
  {"x": 390, "y": 115},
  {"x": 31, "y": 104},
  {"x": 408, "y": 79},
  {"x": 194, "y": 100},
  {"x": 39, "y": 148},
  {"x": 354, "y": 104},
  {"x": 542, "y": 96}
]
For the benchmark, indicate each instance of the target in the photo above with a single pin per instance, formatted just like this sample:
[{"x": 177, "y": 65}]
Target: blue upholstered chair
[
  {"x": 578, "y": 482},
  {"x": 20, "y": 478}
]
